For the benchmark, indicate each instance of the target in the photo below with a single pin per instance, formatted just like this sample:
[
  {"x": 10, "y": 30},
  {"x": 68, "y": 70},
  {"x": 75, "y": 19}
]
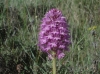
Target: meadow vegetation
[{"x": 19, "y": 27}]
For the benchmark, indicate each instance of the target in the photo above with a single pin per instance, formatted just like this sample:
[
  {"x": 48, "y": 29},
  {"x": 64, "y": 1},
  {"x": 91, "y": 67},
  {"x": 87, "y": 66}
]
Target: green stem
[{"x": 54, "y": 63}]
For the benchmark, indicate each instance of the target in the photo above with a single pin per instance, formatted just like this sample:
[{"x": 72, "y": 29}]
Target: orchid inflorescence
[{"x": 54, "y": 34}]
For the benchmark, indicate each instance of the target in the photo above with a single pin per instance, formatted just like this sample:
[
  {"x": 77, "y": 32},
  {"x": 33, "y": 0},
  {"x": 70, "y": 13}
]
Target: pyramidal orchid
[{"x": 54, "y": 36}]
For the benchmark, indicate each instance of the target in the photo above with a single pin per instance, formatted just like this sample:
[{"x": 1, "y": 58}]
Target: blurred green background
[{"x": 19, "y": 26}]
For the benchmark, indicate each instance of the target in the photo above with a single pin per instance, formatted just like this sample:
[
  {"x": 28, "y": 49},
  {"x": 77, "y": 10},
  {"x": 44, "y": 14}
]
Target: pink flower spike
[{"x": 54, "y": 34}]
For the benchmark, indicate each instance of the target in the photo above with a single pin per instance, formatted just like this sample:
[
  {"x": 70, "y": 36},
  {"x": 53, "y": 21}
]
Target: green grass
[{"x": 19, "y": 26}]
